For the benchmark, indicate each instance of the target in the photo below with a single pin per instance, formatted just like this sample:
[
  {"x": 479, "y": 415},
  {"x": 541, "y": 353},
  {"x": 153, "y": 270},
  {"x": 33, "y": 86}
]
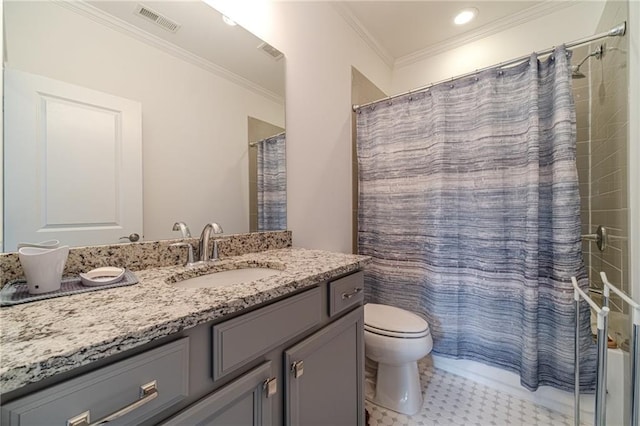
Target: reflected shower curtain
[
  {"x": 469, "y": 206},
  {"x": 272, "y": 184}
]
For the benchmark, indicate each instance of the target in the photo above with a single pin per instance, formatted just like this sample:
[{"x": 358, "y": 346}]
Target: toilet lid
[{"x": 389, "y": 320}]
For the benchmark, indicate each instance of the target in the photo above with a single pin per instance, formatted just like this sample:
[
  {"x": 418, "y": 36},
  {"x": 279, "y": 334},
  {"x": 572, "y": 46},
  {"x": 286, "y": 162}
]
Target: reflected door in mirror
[{"x": 73, "y": 161}]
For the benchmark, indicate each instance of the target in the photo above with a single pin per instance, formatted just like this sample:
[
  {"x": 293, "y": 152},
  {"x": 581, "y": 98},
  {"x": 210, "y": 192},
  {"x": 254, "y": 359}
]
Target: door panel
[{"x": 73, "y": 163}]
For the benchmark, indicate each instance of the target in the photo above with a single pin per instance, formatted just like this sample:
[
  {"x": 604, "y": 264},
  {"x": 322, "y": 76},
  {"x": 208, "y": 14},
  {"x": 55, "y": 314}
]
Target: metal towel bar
[{"x": 601, "y": 378}]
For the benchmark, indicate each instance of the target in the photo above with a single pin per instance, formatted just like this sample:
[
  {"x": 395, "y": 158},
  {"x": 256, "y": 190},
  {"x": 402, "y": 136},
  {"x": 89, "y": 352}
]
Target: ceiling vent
[
  {"x": 271, "y": 51},
  {"x": 157, "y": 18}
]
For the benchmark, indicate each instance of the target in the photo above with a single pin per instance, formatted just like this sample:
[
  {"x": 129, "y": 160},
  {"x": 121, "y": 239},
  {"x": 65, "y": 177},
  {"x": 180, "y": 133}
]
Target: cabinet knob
[
  {"x": 270, "y": 386},
  {"x": 297, "y": 368}
]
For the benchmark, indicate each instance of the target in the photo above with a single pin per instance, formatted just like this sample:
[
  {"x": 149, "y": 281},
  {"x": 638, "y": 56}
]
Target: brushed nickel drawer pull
[
  {"x": 270, "y": 386},
  {"x": 148, "y": 393},
  {"x": 297, "y": 368},
  {"x": 353, "y": 293}
]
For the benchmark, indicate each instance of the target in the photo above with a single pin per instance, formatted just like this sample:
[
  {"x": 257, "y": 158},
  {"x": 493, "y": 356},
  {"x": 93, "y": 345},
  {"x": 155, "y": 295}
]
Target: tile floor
[{"x": 457, "y": 401}]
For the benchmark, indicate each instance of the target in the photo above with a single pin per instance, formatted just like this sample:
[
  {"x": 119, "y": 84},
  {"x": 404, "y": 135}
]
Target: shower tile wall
[
  {"x": 601, "y": 109},
  {"x": 582, "y": 103}
]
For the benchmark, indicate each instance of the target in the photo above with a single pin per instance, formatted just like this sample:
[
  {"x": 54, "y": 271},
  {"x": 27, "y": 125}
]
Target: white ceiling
[
  {"x": 210, "y": 42},
  {"x": 401, "y": 30}
]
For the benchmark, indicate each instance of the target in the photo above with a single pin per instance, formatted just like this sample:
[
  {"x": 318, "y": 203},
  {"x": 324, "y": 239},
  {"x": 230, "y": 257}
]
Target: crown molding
[
  {"x": 81, "y": 7},
  {"x": 502, "y": 24},
  {"x": 350, "y": 18}
]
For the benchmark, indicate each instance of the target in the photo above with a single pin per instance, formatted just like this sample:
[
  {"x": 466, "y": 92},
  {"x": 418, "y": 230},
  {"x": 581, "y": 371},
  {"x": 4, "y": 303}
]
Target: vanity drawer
[
  {"x": 243, "y": 339},
  {"x": 346, "y": 292},
  {"x": 107, "y": 390}
]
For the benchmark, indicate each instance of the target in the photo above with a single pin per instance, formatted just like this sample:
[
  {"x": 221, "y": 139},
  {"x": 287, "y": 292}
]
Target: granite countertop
[{"x": 41, "y": 339}]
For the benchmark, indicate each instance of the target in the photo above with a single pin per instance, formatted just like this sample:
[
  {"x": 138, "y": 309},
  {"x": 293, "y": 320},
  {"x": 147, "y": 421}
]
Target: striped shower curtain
[
  {"x": 469, "y": 206},
  {"x": 272, "y": 184}
]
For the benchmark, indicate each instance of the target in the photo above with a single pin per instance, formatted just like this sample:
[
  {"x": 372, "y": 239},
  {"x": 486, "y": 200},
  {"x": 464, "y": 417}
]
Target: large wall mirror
[{"x": 126, "y": 117}]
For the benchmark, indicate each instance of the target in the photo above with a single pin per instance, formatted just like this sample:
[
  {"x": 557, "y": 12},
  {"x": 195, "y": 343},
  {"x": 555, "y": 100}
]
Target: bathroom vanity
[{"x": 286, "y": 349}]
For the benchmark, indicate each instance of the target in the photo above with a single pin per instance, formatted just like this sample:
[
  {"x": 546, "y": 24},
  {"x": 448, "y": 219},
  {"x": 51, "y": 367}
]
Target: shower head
[
  {"x": 575, "y": 70},
  {"x": 576, "y": 73}
]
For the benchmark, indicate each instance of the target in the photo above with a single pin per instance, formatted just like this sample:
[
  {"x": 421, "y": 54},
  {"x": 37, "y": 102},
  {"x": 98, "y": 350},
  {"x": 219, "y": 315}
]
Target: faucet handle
[
  {"x": 214, "y": 255},
  {"x": 189, "y": 246}
]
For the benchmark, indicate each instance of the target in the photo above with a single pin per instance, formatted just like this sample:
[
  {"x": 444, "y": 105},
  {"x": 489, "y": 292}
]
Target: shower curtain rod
[
  {"x": 617, "y": 31},
  {"x": 262, "y": 140}
]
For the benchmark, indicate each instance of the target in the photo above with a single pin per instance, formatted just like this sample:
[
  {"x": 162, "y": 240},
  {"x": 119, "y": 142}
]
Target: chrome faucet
[
  {"x": 209, "y": 229},
  {"x": 183, "y": 228}
]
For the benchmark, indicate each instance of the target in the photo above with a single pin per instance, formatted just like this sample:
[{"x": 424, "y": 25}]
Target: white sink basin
[{"x": 227, "y": 278}]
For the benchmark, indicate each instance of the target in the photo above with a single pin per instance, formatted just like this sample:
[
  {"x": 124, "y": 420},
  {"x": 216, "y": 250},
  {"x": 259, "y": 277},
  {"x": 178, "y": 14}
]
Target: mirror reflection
[
  {"x": 267, "y": 176},
  {"x": 126, "y": 117}
]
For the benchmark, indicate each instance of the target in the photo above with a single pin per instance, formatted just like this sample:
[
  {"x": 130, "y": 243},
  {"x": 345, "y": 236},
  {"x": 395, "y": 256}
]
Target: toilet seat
[{"x": 390, "y": 321}]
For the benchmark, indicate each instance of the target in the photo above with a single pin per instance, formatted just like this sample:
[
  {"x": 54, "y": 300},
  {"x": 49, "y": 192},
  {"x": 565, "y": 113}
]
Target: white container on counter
[{"x": 43, "y": 267}]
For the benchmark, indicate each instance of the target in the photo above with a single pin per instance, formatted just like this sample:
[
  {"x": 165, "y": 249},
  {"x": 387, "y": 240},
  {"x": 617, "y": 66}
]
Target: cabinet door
[
  {"x": 325, "y": 375},
  {"x": 245, "y": 401}
]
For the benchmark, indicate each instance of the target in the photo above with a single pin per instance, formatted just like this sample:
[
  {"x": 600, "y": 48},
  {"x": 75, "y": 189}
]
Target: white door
[{"x": 72, "y": 163}]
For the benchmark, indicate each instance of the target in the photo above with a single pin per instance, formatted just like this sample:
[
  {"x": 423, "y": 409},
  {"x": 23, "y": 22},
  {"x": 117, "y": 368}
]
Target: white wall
[
  {"x": 320, "y": 49},
  {"x": 567, "y": 24},
  {"x": 194, "y": 122}
]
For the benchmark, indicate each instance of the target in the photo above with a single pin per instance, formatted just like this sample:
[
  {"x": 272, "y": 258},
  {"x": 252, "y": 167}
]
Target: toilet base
[{"x": 398, "y": 388}]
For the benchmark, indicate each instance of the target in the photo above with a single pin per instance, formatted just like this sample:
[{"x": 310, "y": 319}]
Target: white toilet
[{"x": 395, "y": 339}]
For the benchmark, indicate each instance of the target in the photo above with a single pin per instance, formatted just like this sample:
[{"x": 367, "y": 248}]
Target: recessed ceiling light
[
  {"x": 465, "y": 16},
  {"x": 229, "y": 21}
]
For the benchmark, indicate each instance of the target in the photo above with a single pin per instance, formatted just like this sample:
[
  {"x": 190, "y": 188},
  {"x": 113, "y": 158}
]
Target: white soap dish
[{"x": 102, "y": 276}]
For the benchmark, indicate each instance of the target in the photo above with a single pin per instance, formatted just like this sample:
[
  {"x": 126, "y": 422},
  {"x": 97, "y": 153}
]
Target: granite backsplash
[{"x": 149, "y": 254}]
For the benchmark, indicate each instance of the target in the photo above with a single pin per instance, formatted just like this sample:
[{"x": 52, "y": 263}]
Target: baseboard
[{"x": 508, "y": 382}]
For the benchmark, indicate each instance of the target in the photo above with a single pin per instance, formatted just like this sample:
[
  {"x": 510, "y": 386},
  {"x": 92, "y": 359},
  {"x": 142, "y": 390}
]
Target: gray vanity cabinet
[
  {"x": 324, "y": 382},
  {"x": 296, "y": 361},
  {"x": 246, "y": 401}
]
